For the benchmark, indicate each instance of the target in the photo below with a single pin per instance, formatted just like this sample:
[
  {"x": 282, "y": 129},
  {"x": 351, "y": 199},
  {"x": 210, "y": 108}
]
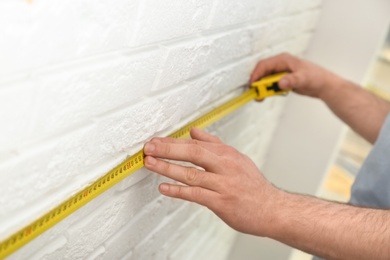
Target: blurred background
[{"x": 353, "y": 40}]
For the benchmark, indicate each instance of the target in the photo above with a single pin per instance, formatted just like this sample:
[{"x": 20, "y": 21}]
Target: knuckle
[
  {"x": 196, "y": 192},
  {"x": 195, "y": 152},
  {"x": 230, "y": 151},
  {"x": 178, "y": 191},
  {"x": 190, "y": 175},
  {"x": 166, "y": 167},
  {"x": 231, "y": 164},
  {"x": 166, "y": 149},
  {"x": 193, "y": 142}
]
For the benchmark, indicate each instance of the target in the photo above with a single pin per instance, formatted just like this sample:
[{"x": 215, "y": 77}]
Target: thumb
[{"x": 290, "y": 81}]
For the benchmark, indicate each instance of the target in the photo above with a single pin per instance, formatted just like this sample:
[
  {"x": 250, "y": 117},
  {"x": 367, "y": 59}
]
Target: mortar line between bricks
[
  {"x": 56, "y": 243},
  {"x": 63, "y": 64},
  {"x": 133, "y": 220},
  {"x": 185, "y": 40},
  {"x": 227, "y": 28},
  {"x": 87, "y": 62},
  {"x": 163, "y": 223},
  {"x": 179, "y": 40},
  {"x": 6, "y": 81},
  {"x": 140, "y": 8},
  {"x": 118, "y": 109},
  {"x": 219, "y": 68},
  {"x": 30, "y": 146},
  {"x": 160, "y": 70},
  {"x": 211, "y": 14},
  {"x": 160, "y": 92}
]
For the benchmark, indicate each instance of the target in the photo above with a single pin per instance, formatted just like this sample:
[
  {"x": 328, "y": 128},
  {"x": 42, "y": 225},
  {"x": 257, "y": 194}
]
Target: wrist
[
  {"x": 273, "y": 208},
  {"x": 330, "y": 87}
]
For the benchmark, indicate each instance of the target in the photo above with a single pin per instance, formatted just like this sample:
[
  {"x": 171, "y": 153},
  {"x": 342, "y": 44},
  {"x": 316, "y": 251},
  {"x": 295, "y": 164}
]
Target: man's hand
[
  {"x": 362, "y": 111},
  {"x": 304, "y": 78},
  {"x": 230, "y": 184},
  {"x": 232, "y": 187}
]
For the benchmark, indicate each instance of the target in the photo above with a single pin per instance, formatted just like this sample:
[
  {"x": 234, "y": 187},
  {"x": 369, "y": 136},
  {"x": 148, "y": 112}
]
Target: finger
[
  {"x": 193, "y": 153},
  {"x": 187, "y": 175},
  {"x": 278, "y": 63},
  {"x": 291, "y": 80},
  {"x": 211, "y": 146},
  {"x": 200, "y": 135},
  {"x": 198, "y": 195}
]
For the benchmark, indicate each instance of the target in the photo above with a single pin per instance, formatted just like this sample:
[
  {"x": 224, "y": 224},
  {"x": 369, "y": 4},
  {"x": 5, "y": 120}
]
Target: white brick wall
[{"x": 83, "y": 84}]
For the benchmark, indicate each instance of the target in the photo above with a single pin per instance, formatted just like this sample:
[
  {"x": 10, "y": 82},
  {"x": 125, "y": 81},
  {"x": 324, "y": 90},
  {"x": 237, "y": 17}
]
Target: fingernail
[
  {"x": 149, "y": 147},
  {"x": 150, "y": 161},
  {"x": 164, "y": 187}
]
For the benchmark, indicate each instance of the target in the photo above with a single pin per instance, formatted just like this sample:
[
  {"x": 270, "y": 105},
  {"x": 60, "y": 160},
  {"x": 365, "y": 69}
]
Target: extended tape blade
[{"x": 123, "y": 170}]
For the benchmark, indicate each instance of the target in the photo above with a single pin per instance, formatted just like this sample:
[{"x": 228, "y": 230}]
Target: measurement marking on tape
[{"x": 123, "y": 170}]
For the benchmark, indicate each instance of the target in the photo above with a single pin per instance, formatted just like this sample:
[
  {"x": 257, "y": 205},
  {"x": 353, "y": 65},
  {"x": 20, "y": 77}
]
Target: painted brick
[
  {"x": 228, "y": 12},
  {"x": 154, "y": 25},
  {"x": 149, "y": 247},
  {"x": 259, "y": 37},
  {"x": 72, "y": 96},
  {"x": 42, "y": 32},
  {"x": 40, "y": 248},
  {"x": 71, "y": 156},
  {"x": 16, "y": 102},
  {"x": 190, "y": 59},
  {"x": 136, "y": 229},
  {"x": 97, "y": 254},
  {"x": 88, "y": 234},
  {"x": 40, "y": 172},
  {"x": 133, "y": 125},
  {"x": 277, "y": 31},
  {"x": 215, "y": 85},
  {"x": 52, "y": 248},
  {"x": 210, "y": 238},
  {"x": 83, "y": 85},
  {"x": 195, "y": 226}
]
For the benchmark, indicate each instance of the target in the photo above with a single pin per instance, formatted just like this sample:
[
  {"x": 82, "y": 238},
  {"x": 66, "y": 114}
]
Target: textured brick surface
[
  {"x": 43, "y": 32},
  {"x": 196, "y": 57},
  {"x": 154, "y": 25},
  {"x": 83, "y": 84}
]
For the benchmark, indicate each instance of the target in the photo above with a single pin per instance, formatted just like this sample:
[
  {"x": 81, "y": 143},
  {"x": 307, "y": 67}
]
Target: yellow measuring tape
[{"x": 260, "y": 90}]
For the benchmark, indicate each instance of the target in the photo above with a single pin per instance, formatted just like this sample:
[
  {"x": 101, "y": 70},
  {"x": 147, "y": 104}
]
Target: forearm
[
  {"x": 330, "y": 230},
  {"x": 361, "y": 110}
]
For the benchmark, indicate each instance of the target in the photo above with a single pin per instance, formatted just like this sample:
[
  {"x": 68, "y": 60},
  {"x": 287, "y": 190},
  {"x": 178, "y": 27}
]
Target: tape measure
[{"x": 260, "y": 89}]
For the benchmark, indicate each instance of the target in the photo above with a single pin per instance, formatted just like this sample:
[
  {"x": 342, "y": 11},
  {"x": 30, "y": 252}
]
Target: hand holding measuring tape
[
  {"x": 230, "y": 184},
  {"x": 306, "y": 78}
]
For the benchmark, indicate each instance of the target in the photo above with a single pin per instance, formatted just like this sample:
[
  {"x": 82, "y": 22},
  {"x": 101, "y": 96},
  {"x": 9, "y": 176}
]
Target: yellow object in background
[{"x": 339, "y": 182}]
